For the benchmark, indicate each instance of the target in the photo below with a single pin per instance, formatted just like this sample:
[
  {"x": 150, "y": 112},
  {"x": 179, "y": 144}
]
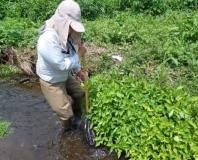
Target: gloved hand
[
  {"x": 83, "y": 75},
  {"x": 82, "y": 50}
]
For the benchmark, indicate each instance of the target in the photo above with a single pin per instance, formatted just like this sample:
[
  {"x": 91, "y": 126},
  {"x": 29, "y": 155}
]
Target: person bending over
[{"x": 58, "y": 50}]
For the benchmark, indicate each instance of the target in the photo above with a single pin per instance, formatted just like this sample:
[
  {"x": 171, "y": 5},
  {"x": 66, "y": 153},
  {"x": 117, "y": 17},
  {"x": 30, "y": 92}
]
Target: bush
[
  {"x": 143, "y": 119},
  {"x": 153, "y": 7},
  {"x": 18, "y": 33},
  {"x": 35, "y": 10},
  {"x": 40, "y": 10},
  {"x": 157, "y": 7}
]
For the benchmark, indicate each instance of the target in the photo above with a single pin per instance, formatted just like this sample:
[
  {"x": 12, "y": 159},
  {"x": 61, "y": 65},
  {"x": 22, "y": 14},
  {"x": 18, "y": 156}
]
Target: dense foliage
[
  {"x": 18, "y": 33},
  {"x": 144, "y": 119},
  {"x": 153, "y": 7},
  {"x": 34, "y": 10},
  {"x": 41, "y": 9}
]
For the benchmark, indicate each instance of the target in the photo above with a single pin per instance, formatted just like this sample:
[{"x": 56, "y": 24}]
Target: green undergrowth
[
  {"x": 34, "y": 10},
  {"x": 4, "y": 128},
  {"x": 171, "y": 38},
  {"x": 40, "y": 10},
  {"x": 110, "y": 8},
  {"x": 8, "y": 72},
  {"x": 21, "y": 33},
  {"x": 144, "y": 119}
]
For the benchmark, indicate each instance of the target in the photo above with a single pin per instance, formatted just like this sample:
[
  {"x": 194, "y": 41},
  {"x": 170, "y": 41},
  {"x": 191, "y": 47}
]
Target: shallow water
[{"x": 34, "y": 133}]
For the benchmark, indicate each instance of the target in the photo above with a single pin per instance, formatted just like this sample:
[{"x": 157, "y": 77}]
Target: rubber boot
[
  {"x": 66, "y": 125},
  {"x": 76, "y": 120}
]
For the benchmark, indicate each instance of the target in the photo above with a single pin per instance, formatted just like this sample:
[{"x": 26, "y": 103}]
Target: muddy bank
[{"x": 34, "y": 130}]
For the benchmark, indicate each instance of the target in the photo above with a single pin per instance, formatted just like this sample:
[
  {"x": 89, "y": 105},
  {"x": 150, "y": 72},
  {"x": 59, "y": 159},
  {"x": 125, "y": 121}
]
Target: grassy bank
[{"x": 4, "y": 128}]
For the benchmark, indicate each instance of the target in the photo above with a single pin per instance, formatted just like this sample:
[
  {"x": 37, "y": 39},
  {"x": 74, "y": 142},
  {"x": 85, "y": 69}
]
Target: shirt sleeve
[
  {"x": 51, "y": 52},
  {"x": 78, "y": 68}
]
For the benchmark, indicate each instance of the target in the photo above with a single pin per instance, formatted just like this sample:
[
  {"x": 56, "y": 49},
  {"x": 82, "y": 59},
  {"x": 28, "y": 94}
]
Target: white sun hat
[
  {"x": 71, "y": 9},
  {"x": 67, "y": 14}
]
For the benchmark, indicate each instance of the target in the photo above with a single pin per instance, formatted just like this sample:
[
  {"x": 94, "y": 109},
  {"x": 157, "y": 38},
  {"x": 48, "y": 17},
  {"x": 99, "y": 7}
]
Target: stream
[{"x": 34, "y": 132}]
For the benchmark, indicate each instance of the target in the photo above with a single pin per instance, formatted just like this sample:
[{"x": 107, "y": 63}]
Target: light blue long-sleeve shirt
[{"x": 53, "y": 65}]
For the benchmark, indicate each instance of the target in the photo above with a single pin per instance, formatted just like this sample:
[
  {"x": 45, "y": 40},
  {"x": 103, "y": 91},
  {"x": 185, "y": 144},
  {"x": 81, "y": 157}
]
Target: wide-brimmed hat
[
  {"x": 71, "y": 9},
  {"x": 68, "y": 14}
]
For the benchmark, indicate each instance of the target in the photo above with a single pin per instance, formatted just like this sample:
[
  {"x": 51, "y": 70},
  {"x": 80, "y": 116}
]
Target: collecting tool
[{"x": 88, "y": 132}]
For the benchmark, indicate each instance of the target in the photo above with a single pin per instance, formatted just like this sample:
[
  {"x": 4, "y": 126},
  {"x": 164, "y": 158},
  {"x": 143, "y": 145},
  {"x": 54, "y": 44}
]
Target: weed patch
[{"x": 4, "y": 128}]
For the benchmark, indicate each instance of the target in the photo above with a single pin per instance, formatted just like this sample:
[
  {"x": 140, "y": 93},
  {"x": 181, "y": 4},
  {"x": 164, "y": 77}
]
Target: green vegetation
[
  {"x": 8, "y": 71},
  {"x": 144, "y": 119},
  {"x": 34, "y": 10},
  {"x": 4, "y": 128},
  {"x": 18, "y": 33},
  {"x": 147, "y": 106},
  {"x": 39, "y": 10},
  {"x": 172, "y": 37},
  {"x": 152, "y": 7}
]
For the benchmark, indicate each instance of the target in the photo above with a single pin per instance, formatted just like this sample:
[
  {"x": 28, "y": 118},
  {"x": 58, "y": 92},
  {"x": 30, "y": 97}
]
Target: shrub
[
  {"x": 153, "y": 7},
  {"x": 35, "y": 10},
  {"x": 18, "y": 33},
  {"x": 42, "y": 9},
  {"x": 143, "y": 119}
]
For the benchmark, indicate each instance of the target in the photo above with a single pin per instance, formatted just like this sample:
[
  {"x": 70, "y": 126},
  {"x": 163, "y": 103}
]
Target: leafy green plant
[
  {"x": 18, "y": 33},
  {"x": 35, "y": 10},
  {"x": 143, "y": 119},
  {"x": 41, "y": 10},
  {"x": 4, "y": 128}
]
